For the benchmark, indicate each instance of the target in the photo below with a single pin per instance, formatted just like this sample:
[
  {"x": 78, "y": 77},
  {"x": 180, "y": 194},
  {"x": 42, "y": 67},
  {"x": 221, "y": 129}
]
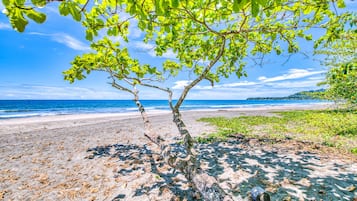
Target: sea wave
[
  {"x": 16, "y": 110},
  {"x": 22, "y": 109},
  {"x": 23, "y": 115}
]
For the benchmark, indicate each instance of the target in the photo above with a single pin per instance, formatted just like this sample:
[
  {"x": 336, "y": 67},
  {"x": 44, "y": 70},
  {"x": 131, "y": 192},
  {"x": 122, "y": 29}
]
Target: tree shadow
[
  {"x": 240, "y": 167},
  {"x": 137, "y": 157}
]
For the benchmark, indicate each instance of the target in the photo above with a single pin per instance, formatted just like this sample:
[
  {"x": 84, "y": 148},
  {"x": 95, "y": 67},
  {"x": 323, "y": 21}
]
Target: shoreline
[
  {"x": 37, "y": 110},
  {"x": 27, "y": 124},
  {"x": 82, "y": 116}
]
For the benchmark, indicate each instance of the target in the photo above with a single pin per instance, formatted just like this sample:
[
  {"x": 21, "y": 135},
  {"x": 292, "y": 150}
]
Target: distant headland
[{"x": 303, "y": 95}]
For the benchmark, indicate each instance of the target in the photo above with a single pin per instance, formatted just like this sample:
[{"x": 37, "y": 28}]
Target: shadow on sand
[{"x": 286, "y": 175}]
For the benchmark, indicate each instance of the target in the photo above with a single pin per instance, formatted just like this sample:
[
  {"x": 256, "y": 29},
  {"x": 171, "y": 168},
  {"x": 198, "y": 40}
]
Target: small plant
[
  {"x": 354, "y": 150},
  {"x": 332, "y": 128}
]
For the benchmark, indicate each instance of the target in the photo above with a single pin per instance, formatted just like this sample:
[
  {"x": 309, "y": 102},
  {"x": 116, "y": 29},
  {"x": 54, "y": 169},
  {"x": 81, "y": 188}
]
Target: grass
[{"x": 335, "y": 128}]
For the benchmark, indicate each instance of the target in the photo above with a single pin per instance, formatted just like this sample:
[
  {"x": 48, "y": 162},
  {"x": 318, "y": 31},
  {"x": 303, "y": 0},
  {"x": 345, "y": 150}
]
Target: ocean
[{"x": 31, "y": 108}]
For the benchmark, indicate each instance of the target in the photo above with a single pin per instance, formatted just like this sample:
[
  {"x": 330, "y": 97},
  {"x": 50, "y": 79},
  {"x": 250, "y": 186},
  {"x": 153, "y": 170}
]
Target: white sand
[{"x": 46, "y": 158}]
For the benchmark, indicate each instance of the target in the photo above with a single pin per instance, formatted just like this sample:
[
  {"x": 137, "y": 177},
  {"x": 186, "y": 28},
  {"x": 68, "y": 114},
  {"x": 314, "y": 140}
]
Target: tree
[
  {"x": 341, "y": 58},
  {"x": 342, "y": 83},
  {"x": 211, "y": 38}
]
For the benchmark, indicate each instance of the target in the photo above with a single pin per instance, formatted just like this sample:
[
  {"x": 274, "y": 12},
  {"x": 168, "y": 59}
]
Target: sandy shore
[{"x": 104, "y": 157}]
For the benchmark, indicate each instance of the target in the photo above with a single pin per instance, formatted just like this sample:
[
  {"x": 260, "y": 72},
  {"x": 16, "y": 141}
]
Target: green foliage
[
  {"x": 342, "y": 83},
  {"x": 354, "y": 150},
  {"x": 332, "y": 128},
  {"x": 72, "y": 8},
  {"x": 20, "y": 11},
  {"x": 194, "y": 29},
  {"x": 303, "y": 95},
  {"x": 108, "y": 57},
  {"x": 218, "y": 33},
  {"x": 341, "y": 55}
]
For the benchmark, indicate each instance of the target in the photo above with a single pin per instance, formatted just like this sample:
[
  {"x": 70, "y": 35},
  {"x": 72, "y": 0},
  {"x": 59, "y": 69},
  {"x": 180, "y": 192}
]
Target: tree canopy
[
  {"x": 341, "y": 59},
  {"x": 342, "y": 81},
  {"x": 210, "y": 38}
]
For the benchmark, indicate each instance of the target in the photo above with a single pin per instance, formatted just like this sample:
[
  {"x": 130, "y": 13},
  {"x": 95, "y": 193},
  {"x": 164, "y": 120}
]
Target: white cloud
[
  {"x": 262, "y": 78},
  {"x": 145, "y": 46},
  {"x": 57, "y": 92},
  {"x": 292, "y": 74},
  {"x": 134, "y": 31},
  {"x": 169, "y": 55},
  {"x": 319, "y": 78},
  {"x": 70, "y": 42},
  {"x": 150, "y": 49},
  {"x": 5, "y": 26},
  {"x": 181, "y": 84},
  {"x": 237, "y": 93},
  {"x": 282, "y": 85},
  {"x": 236, "y": 84},
  {"x": 294, "y": 84},
  {"x": 66, "y": 40}
]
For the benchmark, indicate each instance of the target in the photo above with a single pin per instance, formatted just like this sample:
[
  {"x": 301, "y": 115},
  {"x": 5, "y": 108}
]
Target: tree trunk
[
  {"x": 205, "y": 184},
  {"x": 200, "y": 181}
]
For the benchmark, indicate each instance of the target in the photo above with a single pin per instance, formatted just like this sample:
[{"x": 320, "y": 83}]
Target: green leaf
[
  {"x": 18, "y": 21},
  {"x": 341, "y": 4},
  {"x": 261, "y": 2},
  {"x": 159, "y": 7},
  {"x": 75, "y": 11},
  {"x": 308, "y": 37},
  {"x": 236, "y": 6},
  {"x": 39, "y": 3},
  {"x": 132, "y": 9},
  {"x": 300, "y": 33},
  {"x": 20, "y": 2},
  {"x": 36, "y": 16},
  {"x": 308, "y": 10},
  {"x": 6, "y": 2},
  {"x": 174, "y": 3},
  {"x": 255, "y": 8},
  {"x": 63, "y": 9},
  {"x": 81, "y": 1},
  {"x": 89, "y": 34}
]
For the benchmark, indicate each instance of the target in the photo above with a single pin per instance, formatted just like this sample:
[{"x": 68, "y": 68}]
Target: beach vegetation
[
  {"x": 341, "y": 59},
  {"x": 334, "y": 128},
  {"x": 342, "y": 84},
  {"x": 209, "y": 38}
]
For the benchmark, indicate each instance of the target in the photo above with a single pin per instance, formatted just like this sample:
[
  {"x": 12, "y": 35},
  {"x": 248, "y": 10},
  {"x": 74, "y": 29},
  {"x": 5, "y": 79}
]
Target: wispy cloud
[
  {"x": 293, "y": 81},
  {"x": 150, "y": 49},
  {"x": 236, "y": 84},
  {"x": 134, "y": 31},
  {"x": 292, "y": 74},
  {"x": 66, "y": 40},
  {"x": 70, "y": 42},
  {"x": 58, "y": 92},
  {"x": 5, "y": 26},
  {"x": 294, "y": 84},
  {"x": 181, "y": 84}
]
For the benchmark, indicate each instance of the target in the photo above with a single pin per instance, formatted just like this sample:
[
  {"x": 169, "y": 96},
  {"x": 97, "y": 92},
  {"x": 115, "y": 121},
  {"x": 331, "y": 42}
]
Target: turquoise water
[{"x": 30, "y": 108}]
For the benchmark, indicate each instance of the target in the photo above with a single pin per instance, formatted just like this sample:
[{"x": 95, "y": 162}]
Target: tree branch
[{"x": 202, "y": 76}]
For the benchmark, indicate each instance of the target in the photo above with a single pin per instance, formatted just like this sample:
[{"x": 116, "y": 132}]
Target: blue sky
[{"x": 31, "y": 66}]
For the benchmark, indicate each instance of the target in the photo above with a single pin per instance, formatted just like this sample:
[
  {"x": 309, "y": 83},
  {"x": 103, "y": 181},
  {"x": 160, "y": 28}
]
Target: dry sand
[{"x": 104, "y": 157}]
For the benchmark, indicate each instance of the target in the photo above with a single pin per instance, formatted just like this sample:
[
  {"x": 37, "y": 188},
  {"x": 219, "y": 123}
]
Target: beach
[{"x": 105, "y": 157}]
